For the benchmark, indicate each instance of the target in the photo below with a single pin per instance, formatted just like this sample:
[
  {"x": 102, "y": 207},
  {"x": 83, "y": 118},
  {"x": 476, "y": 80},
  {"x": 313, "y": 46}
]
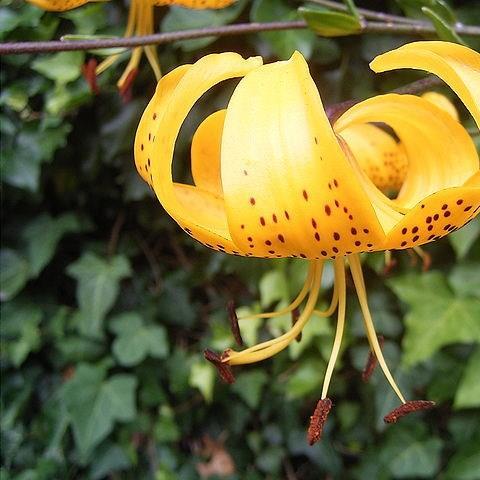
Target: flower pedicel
[
  {"x": 272, "y": 178},
  {"x": 140, "y": 22}
]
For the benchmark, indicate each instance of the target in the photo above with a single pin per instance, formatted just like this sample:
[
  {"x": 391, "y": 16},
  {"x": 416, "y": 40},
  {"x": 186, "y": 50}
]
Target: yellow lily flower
[
  {"x": 380, "y": 156},
  {"x": 140, "y": 22},
  {"x": 273, "y": 179}
]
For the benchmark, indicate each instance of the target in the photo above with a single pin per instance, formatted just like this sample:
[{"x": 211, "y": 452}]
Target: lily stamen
[
  {"x": 269, "y": 348},
  {"x": 232, "y": 315},
  {"x": 295, "y": 317},
  {"x": 357, "y": 275},
  {"x": 295, "y": 304},
  {"x": 342, "y": 302},
  {"x": 406, "y": 408},
  {"x": 371, "y": 361},
  {"x": 318, "y": 419}
]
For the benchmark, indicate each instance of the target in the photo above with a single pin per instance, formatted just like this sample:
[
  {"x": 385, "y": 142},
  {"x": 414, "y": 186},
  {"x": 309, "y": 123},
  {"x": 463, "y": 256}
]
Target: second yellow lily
[{"x": 140, "y": 22}]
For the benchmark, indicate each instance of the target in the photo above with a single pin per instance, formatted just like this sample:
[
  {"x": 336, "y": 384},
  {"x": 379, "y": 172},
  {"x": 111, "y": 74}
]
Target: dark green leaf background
[{"x": 106, "y": 306}]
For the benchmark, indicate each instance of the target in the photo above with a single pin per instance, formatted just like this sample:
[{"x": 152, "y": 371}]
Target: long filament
[
  {"x": 132, "y": 16},
  {"x": 298, "y": 300},
  {"x": 356, "y": 269},
  {"x": 333, "y": 304},
  {"x": 269, "y": 348},
  {"x": 339, "y": 267}
]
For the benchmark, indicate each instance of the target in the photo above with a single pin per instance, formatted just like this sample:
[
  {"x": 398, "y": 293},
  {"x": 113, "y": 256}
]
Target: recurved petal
[
  {"x": 206, "y": 145},
  {"x": 436, "y": 216},
  {"x": 60, "y": 5},
  {"x": 457, "y": 65},
  {"x": 378, "y": 154},
  {"x": 196, "y": 4},
  {"x": 289, "y": 189},
  {"x": 155, "y": 141},
  {"x": 440, "y": 152},
  {"x": 443, "y": 102}
]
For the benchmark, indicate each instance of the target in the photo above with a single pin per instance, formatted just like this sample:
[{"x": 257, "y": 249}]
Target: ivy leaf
[
  {"x": 20, "y": 330},
  {"x": 435, "y": 316},
  {"x": 465, "y": 279},
  {"x": 97, "y": 289},
  {"x": 62, "y": 67},
  {"x": 468, "y": 392},
  {"x": 465, "y": 463},
  {"x": 282, "y": 44},
  {"x": 14, "y": 271},
  {"x": 42, "y": 236},
  {"x": 248, "y": 386},
  {"x": 179, "y": 18},
  {"x": 445, "y": 31},
  {"x": 464, "y": 239},
  {"x": 135, "y": 340},
  {"x": 330, "y": 24},
  {"x": 202, "y": 376},
  {"x": 95, "y": 404},
  {"x": 273, "y": 287},
  {"x": 417, "y": 458}
]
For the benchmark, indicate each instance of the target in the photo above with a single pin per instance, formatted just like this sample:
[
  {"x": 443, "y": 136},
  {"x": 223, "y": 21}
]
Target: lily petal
[
  {"x": 440, "y": 152},
  {"x": 378, "y": 154},
  {"x": 443, "y": 102},
  {"x": 196, "y": 4},
  {"x": 176, "y": 93},
  {"x": 206, "y": 144},
  {"x": 436, "y": 216},
  {"x": 456, "y": 65},
  {"x": 60, "y": 5},
  {"x": 289, "y": 189}
]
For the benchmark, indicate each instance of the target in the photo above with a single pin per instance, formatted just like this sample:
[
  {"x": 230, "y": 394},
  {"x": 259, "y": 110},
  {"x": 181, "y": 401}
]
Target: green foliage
[
  {"x": 330, "y": 24},
  {"x": 94, "y": 404},
  {"x": 106, "y": 306}
]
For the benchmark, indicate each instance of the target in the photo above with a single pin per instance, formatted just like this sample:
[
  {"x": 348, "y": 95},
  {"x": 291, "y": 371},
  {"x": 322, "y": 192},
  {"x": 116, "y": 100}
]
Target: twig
[
  {"x": 152, "y": 261},
  {"x": 336, "y": 110},
  {"x": 115, "y": 233},
  {"x": 370, "y": 14},
  {"x": 14, "y": 48}
]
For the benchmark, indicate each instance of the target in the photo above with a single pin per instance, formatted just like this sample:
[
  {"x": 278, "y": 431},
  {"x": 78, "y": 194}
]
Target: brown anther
[
  {"x": 318, "y": 419},
  {"x": 406, "y": 408},
  {"x": 426, "y": 262},
  {"x": 295, "y": 317},
  {"x": 223, "y": 369},
  {"x": 371, "y": 361},
  {"x": 389, "y": 267},
  {"x": 88, "y": 71},
  {"x": 125, "y": 89},
  {"x": 232, "y": 316}
]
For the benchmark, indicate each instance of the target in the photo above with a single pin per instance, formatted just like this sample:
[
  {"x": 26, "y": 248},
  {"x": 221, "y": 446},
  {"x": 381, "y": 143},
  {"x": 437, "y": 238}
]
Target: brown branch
[{"x": 13, "y": 48}]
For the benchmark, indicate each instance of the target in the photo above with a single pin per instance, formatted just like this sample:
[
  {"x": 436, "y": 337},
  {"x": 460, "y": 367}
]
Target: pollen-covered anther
[
  {"x": 371, "y": 361},
  {"x": 232, "y": 316},
  {"x": 295, "y": 317},
  {"x": 406, "y": 408},
  {"x": 224, "y": 370},
  {"x": 88, "y": 71},
  {"x": 318, "y": 419},
  {"x": 125, "y": 89}
]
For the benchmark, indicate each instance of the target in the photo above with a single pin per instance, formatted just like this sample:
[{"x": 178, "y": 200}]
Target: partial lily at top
[
  {"x": 140, "y": 22},
  {"x": 272, "y": 178}
]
